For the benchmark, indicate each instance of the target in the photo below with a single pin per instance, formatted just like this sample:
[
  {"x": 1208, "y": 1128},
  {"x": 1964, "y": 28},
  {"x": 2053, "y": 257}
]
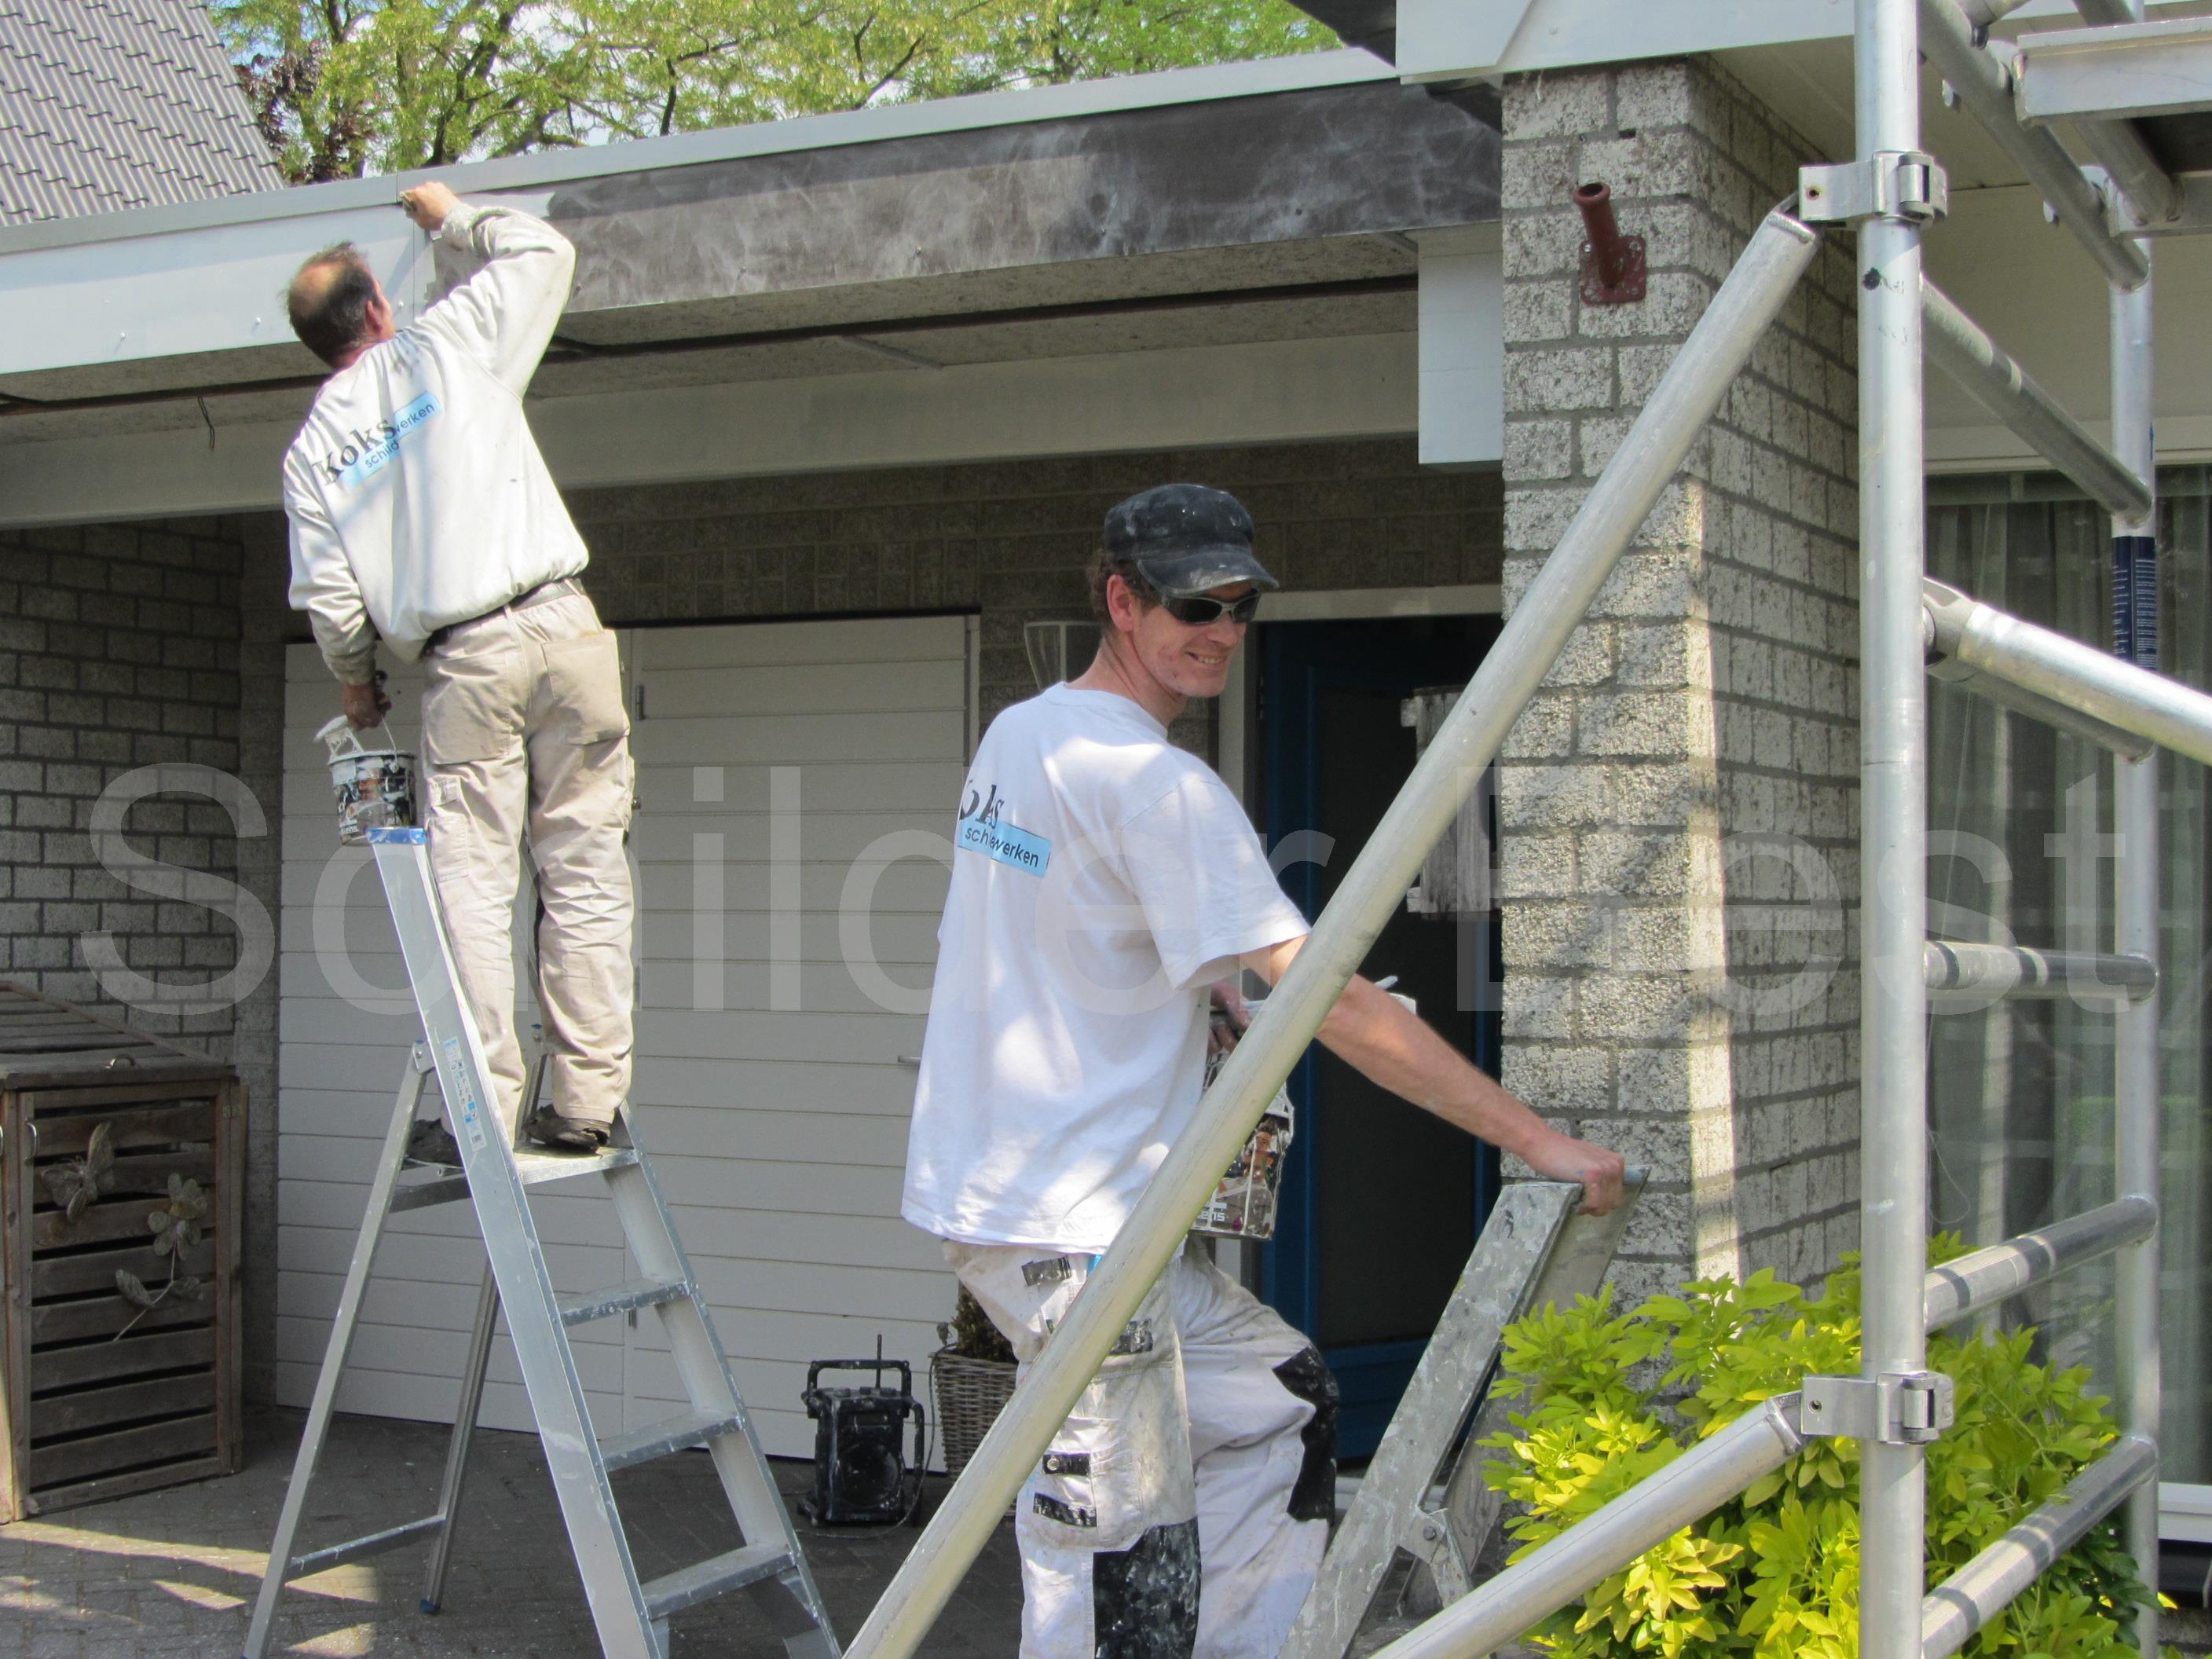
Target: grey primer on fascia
[{"x": 1296, "y": 166}]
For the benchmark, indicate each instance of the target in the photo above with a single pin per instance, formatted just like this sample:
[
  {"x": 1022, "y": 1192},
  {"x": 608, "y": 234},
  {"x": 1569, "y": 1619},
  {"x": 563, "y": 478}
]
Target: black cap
[{"x": 1185, "y": 539}]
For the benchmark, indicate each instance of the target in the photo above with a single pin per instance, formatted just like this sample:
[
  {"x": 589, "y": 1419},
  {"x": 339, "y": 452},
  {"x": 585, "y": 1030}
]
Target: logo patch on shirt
[
  {"x": 368, "y": 451},
  {"x": 1003, "y": 842}
]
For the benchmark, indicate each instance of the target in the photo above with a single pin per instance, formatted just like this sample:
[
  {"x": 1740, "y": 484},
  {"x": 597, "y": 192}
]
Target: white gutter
[{"x": 551, "y": 168}]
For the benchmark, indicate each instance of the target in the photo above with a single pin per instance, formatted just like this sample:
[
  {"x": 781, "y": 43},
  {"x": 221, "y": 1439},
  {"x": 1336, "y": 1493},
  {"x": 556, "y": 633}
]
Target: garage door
[{"x": 794, "y": 781}]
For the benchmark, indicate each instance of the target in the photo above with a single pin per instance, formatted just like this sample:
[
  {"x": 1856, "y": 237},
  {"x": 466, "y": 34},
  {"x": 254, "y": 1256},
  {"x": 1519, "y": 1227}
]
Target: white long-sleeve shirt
[{"x": 417, "y": 495}]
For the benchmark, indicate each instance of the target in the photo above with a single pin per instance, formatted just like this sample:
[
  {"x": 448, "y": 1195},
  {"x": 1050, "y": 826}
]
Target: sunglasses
[{"x": 1198, "y": 610}]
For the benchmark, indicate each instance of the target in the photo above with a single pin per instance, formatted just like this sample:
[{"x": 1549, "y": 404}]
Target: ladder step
[
  {"x": 666, "y": 1437},
  {"x": 693, "y": 1584},
  {"x": 585, "y": 1306},
  {"x": 535, "y": 1167}
]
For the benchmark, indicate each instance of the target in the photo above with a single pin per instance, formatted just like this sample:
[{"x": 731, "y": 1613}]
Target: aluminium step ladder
[
  {"x": 1422, "y": 1501},
  {"x": 631, "y": 1614}
]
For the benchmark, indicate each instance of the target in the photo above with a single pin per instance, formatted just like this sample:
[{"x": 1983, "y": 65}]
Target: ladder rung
[
  {"x": 691, "y": 1585},
  {"x": 534, "y": 1168},
  {"x": 585, "y": 1306},
  {"x": 668, "y": 1436},
  {"x": 355, "y": 1549}
]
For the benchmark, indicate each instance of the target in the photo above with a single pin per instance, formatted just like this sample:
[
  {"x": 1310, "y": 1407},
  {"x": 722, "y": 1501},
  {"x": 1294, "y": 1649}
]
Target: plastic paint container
[
  {"x": 376, "y": 788},
  {"x": 1244, "y": 1199}
]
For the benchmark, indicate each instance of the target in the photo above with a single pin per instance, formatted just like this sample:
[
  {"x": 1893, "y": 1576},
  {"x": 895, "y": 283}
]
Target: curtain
[{"x": 2020, "y": 820}]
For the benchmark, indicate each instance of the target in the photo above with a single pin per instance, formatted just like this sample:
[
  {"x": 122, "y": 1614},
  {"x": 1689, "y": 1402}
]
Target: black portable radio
[{"x": 861, "y": 1475}]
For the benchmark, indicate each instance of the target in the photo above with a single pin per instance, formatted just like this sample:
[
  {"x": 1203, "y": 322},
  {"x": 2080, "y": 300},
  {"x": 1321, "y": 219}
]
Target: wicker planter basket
[{"x": 969, "y": 1394}]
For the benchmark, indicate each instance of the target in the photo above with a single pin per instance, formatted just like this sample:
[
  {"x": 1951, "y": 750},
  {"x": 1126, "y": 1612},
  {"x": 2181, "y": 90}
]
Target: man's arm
[
  {"x": 323, "y": 586},
  {"x": 1374, "y": 1033},
  {"x": 506, "y": 313}
]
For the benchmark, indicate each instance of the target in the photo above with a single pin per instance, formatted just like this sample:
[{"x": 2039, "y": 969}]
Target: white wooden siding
[{"x": 775, "y": 1115}]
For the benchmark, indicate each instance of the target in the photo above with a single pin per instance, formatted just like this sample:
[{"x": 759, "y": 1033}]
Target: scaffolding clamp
[
  {"x": 1898, "y": 1408},
  {"x": 1897, "y": 184}
]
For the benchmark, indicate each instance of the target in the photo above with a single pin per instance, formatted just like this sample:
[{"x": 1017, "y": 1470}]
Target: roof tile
[{"x": 109, "y": 103}]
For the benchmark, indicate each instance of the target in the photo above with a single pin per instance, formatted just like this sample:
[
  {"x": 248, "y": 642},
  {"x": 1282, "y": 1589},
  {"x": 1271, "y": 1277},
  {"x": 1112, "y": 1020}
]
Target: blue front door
[{"x": 1382, "y": 1201}]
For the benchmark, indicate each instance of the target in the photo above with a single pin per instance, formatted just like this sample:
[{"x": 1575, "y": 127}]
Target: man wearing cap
[
  {"x": 422, "y": 514},
  {"x": 1106, "y": 888}
]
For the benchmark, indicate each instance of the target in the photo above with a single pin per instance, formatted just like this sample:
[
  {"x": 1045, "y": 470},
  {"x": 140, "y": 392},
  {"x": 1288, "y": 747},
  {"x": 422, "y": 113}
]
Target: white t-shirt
[
  {"x": 1102, "y": 880},
  {"x": 417, "y": 494}
]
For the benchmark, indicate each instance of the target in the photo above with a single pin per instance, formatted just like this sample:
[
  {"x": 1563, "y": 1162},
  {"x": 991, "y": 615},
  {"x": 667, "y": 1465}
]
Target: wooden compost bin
[{"x": 104, "y": 1396}]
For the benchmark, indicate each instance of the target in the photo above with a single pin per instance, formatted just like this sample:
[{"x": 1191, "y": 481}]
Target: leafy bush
[{"x": 1775, "y": 1572}]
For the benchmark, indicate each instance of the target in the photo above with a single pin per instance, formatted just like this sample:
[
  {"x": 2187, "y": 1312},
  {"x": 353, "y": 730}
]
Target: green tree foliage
[
  {"x": 1775, "y": 1575},
  {"x": 342, "y": 88}
]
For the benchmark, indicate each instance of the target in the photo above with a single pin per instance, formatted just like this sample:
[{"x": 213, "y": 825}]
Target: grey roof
[{"x": 108, "y": 104}]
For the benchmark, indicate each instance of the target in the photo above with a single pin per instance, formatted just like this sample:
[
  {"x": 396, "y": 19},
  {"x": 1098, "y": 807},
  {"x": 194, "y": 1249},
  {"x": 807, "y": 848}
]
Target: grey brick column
[{"x": 1677, "y": 809}]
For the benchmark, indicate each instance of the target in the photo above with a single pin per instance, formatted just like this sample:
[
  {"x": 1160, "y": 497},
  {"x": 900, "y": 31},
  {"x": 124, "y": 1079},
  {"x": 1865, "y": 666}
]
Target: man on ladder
[
  {"x": 1103, "y": 879},
  {"x": 423, "y": 513}
]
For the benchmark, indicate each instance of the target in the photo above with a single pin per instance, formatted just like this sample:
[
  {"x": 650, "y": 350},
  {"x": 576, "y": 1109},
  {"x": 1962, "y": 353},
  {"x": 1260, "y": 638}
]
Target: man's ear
[{"x": 1122, "y": 604}]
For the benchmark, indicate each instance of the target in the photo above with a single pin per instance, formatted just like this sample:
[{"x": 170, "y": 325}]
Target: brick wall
[
  {"x": 1677, "y": 807},
  {"x": 118, "y": 650}
]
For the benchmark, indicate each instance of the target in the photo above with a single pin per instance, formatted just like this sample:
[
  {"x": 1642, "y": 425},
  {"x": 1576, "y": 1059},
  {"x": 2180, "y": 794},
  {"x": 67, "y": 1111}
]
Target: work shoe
[
  {"x": 431, "y": 1142},
  {"x": 565, "y": 1134}
]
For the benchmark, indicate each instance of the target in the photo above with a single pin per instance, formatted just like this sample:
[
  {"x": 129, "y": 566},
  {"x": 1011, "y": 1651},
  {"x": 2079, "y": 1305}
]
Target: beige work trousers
[{"x": 523, "y": 729}]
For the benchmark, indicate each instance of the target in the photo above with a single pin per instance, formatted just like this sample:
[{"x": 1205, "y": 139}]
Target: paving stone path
[{"x": 175, "y": 1571}]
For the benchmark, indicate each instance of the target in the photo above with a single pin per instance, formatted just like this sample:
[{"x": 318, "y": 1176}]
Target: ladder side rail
[
  {"x": 1964, "y": 1285},
  {"x": 1961, "y": 349},
  {"x": 1562, "y": 591},
  {"x": 1577, "y": 1267},
  {"x": 1985, "y": 86},
  {"x": 2137, "y": 1094},
  {"x": 1707, "y": 1475},
  {"x": 1496, "y": 1289},
  {"x": 2066, "y": 671},
  {"x": 343, "y": 1328},
  {"x": 510, "y": 1234},
  {"x": 1965, "y": 971},
  {"x": 1978, "y": 1592},
  {"x": 789, "y": 1599}
]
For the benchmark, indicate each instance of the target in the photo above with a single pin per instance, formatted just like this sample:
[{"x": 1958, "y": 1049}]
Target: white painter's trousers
[{"x": 1180, "y": 1511}]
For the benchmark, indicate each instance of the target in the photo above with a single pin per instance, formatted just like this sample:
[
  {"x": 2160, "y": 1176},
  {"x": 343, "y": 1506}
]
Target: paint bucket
[
  {"x": 1244, "y": 1199},
  {"x": 376, "y": 788}
]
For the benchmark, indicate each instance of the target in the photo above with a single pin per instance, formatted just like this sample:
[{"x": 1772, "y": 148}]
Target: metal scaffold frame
[{"x": 1911, "y": 628}]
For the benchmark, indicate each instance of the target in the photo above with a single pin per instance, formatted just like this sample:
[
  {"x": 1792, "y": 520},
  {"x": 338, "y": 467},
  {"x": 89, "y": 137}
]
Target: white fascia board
[
  {"x": 1450, "y": 39},
  {"x": 548, "y": 169},
  {"x": 79, "y": 304},
  {"x": 1280, "y": 392}
]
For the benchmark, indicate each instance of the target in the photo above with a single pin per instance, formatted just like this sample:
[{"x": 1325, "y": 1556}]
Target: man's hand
[
  {"x": 428, "y": 205},
  {"x": 1228, "y": 1017},
  {"x": 364, "y": 705},
  {"x": 1599, "y": 1168}
]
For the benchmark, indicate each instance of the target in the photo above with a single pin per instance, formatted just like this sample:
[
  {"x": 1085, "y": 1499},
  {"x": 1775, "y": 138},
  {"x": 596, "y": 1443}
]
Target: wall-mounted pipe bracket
[
  {"x": 1898, "y": 1408},
  {"x": 1897, "y": 184}
]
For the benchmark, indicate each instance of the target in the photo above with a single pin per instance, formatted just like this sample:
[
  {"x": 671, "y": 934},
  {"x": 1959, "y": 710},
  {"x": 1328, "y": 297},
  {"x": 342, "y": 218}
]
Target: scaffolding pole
[
  {"x": 1983, "y": 640},
  {"x": 2135, "y": 1092},
  {"x": 1555, "y": 603},
  {"x": 1893, "y": 807}
]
